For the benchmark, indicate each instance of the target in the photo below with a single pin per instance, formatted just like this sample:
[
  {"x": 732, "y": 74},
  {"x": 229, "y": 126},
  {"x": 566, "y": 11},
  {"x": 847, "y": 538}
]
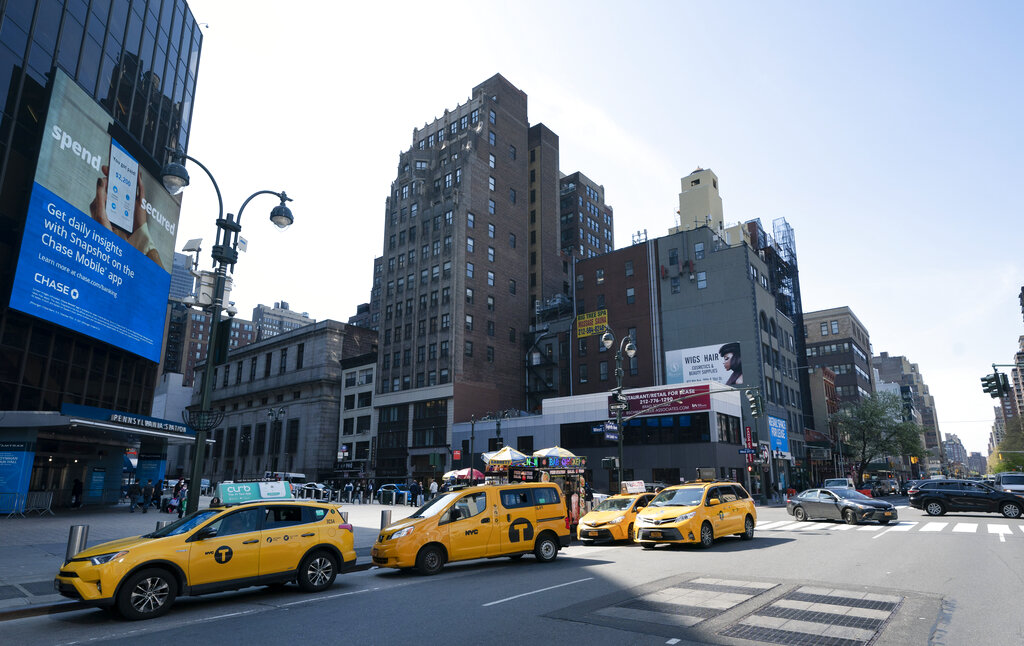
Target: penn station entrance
[{"x": 81, "y": 455}]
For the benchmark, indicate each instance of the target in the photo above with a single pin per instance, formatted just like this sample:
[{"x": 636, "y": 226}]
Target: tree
[
  {"x": 1009, "y": 455},
  {"x": 874, "y": 427}
]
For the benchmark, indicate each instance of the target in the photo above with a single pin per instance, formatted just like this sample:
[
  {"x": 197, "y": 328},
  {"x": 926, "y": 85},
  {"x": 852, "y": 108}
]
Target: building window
[
  {"x": 511, "y": 287},
  {"x": 602, "y": 371},
  {"x": 512, "y": 152},
  {"x": 629, "y": 268},
  {"x": 512, "y": 195},
  {"x": 490, "y": 230},
  {"x": 490, "y": 354},
  {"x": 284, "y": 361},
  {"x": 469, "y": 296},
  {"x": 490, "y": 278},
  {"x": 490, "y": 328},
  {"x": 446, "y": 321},
  {"x": 583, "y": 373},
  {"x": 490, "y": 183},
  {"x": 600, "y": 276},
  {"x": 674, "y": 284},
  {"x": 490, "y": 160},
  {"x": 469, "y": 322},
  {"x": 491, "y": 117},
  {"x": 490, "y": 303},
  {"x": 835, "y": 327},
  {"x": 469, "y": 245},
  {"x": 634, "y": 366},
  {"x": 468, "y": 350},
  {"x": 698, "y": 251},
  {"x": 490, "y": 206},
  {"x": 444, "y": 348},
  {"x": 824, "y": 329},
  {"x": 266, "y": 365},
  {"x": 583, "y": 347},
  {"x": 490, "y": 254},
  {"x": 702, "y": 279},
  {"x": 512, "y": 240},
  {"x": 512, "y": 335},
  {"x": 630, "y": 296},
  {"x": 490, "y": 138}
]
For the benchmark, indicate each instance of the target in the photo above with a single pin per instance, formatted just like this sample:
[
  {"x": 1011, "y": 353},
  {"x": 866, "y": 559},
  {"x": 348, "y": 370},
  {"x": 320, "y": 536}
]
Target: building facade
[
  {"x": 898, "y": 369},
  {"x": 271, "y": 321},
  {"x": 836, "y": 338},
  {"x": 133, "y": 67}
]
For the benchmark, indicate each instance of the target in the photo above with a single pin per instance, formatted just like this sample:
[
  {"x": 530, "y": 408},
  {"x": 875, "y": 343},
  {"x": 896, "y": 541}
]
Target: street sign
[
  {"x": 617, "y": 406},
  {"x": 456, "y": 454},
  {"x": 619, "y": 397},
  {"x": 747, "y": 451},
  {"x": 611, "y": 435}
]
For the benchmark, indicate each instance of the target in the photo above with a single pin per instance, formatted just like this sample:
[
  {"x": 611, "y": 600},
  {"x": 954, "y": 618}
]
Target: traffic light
[
  {"x": 1004, "y": 384},
  {"x": 992, "y": 385},
  {"x": 754, "y": 401}
]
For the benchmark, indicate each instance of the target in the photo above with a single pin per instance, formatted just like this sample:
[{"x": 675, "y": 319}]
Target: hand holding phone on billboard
[
  {"x": 139, "y": 228},
  {"x": 122, "y": 184}
]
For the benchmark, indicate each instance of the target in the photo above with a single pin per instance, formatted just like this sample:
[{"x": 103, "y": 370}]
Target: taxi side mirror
[
  {"x": 454, "y": 514},
  {"x": 639, "y": 507},
  {"x": 206, "y": 532},
  {"x": 714, "y": 501}
]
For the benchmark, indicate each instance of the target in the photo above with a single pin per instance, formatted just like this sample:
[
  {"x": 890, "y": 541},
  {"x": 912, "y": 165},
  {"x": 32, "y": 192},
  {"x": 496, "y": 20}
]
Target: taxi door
[
  {"x": 232, "y": 553},
  {"x": 469, "y": 527},
  {"x": 548, "y": 509},
  {"x": 735, "y": 511},
  {"x": 288, "y": 533},
  {"x": 718, "y": 513},
  {"x": 518, "y": 519}
]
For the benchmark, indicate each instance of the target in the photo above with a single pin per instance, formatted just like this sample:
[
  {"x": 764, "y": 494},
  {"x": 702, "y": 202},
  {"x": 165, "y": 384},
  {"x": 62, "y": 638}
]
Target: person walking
[
  {"x": 348, "y": 490},
  {"x": 414, "y": 493},
  {"x": 134, "y": 496},
  {"x": 147, "y": 495},
  {"x": 182, "y": 499},
  {"x": 433, "y": 489}
]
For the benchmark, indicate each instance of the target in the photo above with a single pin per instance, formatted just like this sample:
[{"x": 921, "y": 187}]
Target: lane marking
[
  {"x": 1002, "y": 530},
  {"x": 777, "y": 523},
  {"x": 965, "y": 528},
  {"x": 526, "y": 594},
  {"x": 934, "y": 527},
  {"x": 902, "y": 526},
  {"x": 870, "y": 528},
  {"x": 672, "y": 641},
  {"x": 329, "y": 596}
]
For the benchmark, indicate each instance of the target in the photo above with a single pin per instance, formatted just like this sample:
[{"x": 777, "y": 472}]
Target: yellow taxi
[
  {"x": 613, "y": 518},
  {"x": 477, "y": 522},
  {"x": 259, "y": 542},
  {"x": 697, "y": 512}
]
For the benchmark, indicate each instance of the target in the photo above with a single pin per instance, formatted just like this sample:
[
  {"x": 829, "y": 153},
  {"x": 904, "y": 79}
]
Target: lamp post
[
  {"x": 626, "y": 343},
  {"x": 225, "y": 254},
  {"x": 472, "y": 455}
]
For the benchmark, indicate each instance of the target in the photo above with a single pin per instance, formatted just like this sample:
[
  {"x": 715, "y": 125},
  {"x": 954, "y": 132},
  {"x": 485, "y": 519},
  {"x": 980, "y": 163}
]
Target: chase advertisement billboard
[{"x": 98, "y": 246}]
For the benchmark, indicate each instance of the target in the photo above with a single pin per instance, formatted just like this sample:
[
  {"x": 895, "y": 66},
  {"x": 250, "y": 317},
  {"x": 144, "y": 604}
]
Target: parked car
[
  {"x": 315, "y": 490},
  {"x": 392, "y": 489},
  {"x": 936, "y": 497},
  {"x": 841, "y": 503}
]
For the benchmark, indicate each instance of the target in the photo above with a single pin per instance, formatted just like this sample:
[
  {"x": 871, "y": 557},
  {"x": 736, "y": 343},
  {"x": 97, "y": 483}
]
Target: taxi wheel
[
  {"x": 317, "y": 571},
  {"x": 147, "y": 594},
  {"x": 545, "y": 549},
  {"x": 748, "y": 529},
  {"x": 707, "y": 535},
  {"x": 430, "y": 560},
  {"x": 629, "y": 533}
]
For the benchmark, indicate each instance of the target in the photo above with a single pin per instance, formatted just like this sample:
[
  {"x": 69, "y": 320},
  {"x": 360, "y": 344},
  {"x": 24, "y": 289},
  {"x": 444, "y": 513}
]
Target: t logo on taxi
[{"x": 222, "y": 554}]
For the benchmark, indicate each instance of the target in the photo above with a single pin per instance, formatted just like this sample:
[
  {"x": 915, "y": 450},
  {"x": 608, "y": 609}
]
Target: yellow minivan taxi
[
  {"x": 613, "y": 518},
  {"x": 211, "y": 550},
  {"x": 696, "y": 512},
  {"x": 477, "y": 522}
]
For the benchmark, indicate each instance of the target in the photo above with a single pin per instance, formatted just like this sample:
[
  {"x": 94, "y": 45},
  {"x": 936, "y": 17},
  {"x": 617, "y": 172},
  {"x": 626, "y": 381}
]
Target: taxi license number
[{"x": 655, "y": 534}]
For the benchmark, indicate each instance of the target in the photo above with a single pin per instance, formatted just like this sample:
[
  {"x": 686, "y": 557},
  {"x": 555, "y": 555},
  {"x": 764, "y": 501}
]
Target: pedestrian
[
  {"x": 134, "y": 496},
  {"x": 433, "y": 489},
  {"x": 414, "y": 493},
  {"x": 158, "y": 490},
  {"x": 147, "y": 495},
  {"x": 182, "y": 499},
  {"x": 76, "y": 493},
  {"x": 178, "y": 487},
  {"x": 588, "y": 497},
  {"x": 348, "y": 490}
]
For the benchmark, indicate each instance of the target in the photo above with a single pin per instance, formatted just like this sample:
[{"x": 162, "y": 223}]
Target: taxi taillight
[{"x": 347, "y": 526}]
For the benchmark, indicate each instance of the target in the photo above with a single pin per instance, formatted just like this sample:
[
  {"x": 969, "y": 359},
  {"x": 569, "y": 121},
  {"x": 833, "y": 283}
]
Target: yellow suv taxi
[
  {"x": 477, "y": 522},
  {"x": 696, "y": 512},
  {"x": 226, "y": 548},
  {"x": 613, "y": 518}
]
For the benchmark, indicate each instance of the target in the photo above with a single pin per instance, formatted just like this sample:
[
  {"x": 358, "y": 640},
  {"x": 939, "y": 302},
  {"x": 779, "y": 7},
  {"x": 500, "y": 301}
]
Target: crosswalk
[{"x": 1002, "y": 530}]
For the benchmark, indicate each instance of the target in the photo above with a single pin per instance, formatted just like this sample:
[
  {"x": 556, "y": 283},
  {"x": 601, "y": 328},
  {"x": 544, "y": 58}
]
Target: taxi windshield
[
  {"x": 685, "y": 497},
  {"x": 614, "y": 504},
  {"x": 186, "y": 524},
  {"x": 436, "y": 506}
]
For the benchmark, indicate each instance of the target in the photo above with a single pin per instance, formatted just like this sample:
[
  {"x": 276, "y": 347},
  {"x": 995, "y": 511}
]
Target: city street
[{"x": 924, "y": 580}]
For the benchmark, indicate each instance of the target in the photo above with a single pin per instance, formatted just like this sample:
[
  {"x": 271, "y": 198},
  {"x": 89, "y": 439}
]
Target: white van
[{"x": 296, "y": 480}]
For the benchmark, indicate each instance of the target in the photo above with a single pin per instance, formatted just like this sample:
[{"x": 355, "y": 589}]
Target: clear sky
[{"x": 887, "y": 134}]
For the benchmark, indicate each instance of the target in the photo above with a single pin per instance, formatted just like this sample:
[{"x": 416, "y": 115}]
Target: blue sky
[{"x": 887, "y": 134}]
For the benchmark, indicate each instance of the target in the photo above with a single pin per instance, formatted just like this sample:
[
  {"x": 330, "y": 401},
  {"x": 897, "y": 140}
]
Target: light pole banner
[{"x": 720, "y": 362}]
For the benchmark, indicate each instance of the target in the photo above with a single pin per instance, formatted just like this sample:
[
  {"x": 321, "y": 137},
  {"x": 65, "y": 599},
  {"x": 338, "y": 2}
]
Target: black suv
[{"x": 937, "y": 497}]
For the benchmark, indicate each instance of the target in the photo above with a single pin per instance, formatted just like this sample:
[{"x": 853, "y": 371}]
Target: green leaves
[{"x": 874, "y": 428}]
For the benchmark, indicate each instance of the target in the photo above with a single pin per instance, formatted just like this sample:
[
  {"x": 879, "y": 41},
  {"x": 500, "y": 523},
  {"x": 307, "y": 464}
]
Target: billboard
[
  {"x": 98, "y": 246},
  {"x": 720, "y": 362},
  {"x": 669, "y": 401},
  {"x": 779, "y": 435},
  {"x": 591, "y": 323}
]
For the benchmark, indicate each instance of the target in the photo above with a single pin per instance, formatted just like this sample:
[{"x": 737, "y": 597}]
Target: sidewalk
[{"x": 33, "y": 548}]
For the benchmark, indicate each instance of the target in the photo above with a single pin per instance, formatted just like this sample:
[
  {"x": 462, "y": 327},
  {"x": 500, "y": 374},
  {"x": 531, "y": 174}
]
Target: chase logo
[{"x": 222, "y": 554}]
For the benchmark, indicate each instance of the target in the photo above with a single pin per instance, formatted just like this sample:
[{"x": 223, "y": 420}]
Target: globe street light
[
  {"x": 225, "y": 254},
  {"x": 608, "y": 340}
]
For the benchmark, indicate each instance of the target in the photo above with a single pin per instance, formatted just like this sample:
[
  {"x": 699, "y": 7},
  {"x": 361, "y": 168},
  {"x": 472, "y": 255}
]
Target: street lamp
[
  {"x": 225, "y": 254},
  {"x": 472, "y": 455},
  {"x": 608, "y": 339}
]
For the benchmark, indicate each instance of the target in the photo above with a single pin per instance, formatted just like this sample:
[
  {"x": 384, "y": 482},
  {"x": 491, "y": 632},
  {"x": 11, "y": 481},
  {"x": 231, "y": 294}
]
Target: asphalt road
[{"x": 950, "y": 580}]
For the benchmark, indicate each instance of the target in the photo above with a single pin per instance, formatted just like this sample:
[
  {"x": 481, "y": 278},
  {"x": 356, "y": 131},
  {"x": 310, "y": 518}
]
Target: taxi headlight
[
  {"x": 402, "y": 532},
  {"x": 617, "y": 519},
  {"x": 688, "y": 516},
  {"x": 106, "y": 558}
]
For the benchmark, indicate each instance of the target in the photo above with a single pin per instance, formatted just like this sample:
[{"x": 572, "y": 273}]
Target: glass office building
[{"x": 83, "y": 299}]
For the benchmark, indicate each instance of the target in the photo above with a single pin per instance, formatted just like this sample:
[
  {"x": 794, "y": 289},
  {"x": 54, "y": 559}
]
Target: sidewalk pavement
[{"x": 32, "y": 549}]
